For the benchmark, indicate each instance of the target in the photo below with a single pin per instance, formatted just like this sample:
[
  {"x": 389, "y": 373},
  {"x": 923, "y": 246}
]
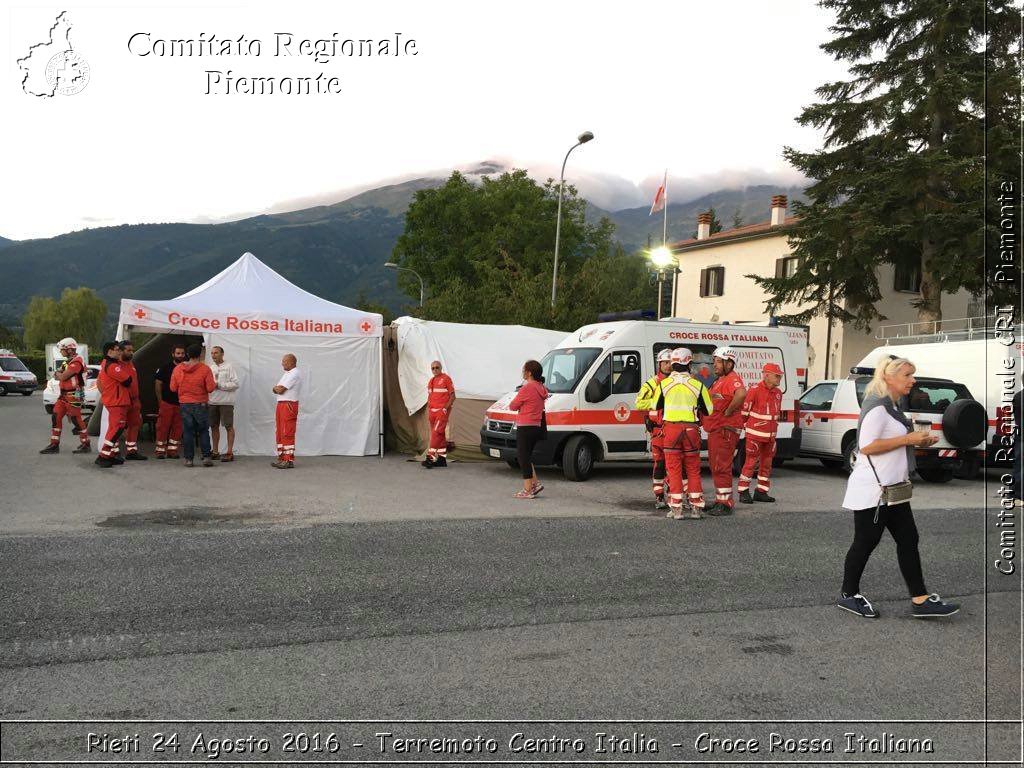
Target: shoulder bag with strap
[{"x": 897, "y": 493}]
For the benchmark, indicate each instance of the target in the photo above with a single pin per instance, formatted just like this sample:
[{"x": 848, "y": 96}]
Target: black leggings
[
  {"x": 526, "y": 440},
  {"x": 866, "y": 535}
]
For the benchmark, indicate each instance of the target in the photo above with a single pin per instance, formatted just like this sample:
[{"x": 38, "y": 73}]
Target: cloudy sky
[{"x": 708, "y": 90}]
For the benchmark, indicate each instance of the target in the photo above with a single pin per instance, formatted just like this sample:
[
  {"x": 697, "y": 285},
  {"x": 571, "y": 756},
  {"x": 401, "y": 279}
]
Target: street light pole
[
  {"x": 392, "y": 265},
  {"x": 583, "y": 138}
]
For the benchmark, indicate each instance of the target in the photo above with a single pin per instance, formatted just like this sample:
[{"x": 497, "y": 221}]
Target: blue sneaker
[
  {"x": 933, "y": 608},
  {"x": 857, "y": 604}
]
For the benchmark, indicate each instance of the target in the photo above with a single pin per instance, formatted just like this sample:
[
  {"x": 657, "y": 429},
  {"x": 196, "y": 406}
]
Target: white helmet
[
  {"x": 67, "y": 343},
  {"x": 665, "y": 356},
  {"x": 681, "y": 356},
  {"x": 725, "y": 353}
]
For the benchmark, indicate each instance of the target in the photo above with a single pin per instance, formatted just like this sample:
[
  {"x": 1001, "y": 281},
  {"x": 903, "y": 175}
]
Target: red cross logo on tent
[
  {"x": 621, "y": 412},
  {"x": 366, "y": 326},
  {"x": 139, "y": 312}
]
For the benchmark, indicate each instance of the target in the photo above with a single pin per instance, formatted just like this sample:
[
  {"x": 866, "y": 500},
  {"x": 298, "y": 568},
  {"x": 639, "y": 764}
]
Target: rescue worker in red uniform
[
  {"x": 131, "y": 434},
  {"x": 440, "y": 398},
  {"x": 724, "y": 426},
  {"x": 168, "y": 420},
  {"x": 762, "y": 408},
  {"x": 683, "y": 398},
  {"x": 647, "y": 400},
  {"x": 71, "y": 376},
  {"x": 115, "y": 388}
]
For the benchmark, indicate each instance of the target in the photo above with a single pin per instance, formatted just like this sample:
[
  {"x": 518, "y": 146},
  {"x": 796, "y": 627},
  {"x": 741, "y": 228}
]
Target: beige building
[{"x": 712, "y": 286}]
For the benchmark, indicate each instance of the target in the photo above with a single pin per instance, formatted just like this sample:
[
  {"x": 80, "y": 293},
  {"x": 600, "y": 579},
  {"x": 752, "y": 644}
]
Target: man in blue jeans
[{"x": 193, "y": 381}]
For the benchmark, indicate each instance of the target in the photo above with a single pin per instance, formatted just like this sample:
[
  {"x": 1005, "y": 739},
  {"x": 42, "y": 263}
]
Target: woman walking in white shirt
[{"x": 886, "y": 440}]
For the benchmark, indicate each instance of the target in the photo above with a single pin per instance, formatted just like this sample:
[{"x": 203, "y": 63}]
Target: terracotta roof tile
[{"x": 728, "y": 234}]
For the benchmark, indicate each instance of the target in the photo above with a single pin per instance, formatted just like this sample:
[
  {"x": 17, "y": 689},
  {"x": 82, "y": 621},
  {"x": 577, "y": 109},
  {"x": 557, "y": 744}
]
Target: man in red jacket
[
  {"x": 762, "y": 408},
  {"x": 193, "y": 382},
  {"x": 440, "y": 398},
  {"x": 70, "y": 376},
  {"x": 131, "y": 435},
  {"x": 115, "y": 389},
  {"x": 723, "y": 426}
]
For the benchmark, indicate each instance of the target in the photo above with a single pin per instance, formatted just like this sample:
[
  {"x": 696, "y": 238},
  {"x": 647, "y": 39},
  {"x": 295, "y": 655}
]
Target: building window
[
  {"x": 787, "y": 267},
  {"x": 712, "y": 281},
  {"x": 908, "y": 278}
]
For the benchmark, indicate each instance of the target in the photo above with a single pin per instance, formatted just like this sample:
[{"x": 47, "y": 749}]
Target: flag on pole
[{"x": 659, "y": 197}]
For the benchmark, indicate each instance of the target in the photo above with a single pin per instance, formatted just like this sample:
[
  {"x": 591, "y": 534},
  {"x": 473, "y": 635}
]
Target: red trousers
[
  {"x": 438, "y": 437},
  {"x": 721, "y": 448},
  {"x": 760, "y": 454},
  {"x": 658, "y": 456},
  {"x": 286, "y": 417},
  {"x": 117, "y": 420},
  {"x": 61, "y": 409},
  {"x": 168, "y": 430},
  {"x": 131, "y": 434},
  {"x": 682, "y": 455}
]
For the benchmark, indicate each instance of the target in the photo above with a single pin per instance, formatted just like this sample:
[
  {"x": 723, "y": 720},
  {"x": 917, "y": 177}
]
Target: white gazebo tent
[{"x": 257, "y": 316}]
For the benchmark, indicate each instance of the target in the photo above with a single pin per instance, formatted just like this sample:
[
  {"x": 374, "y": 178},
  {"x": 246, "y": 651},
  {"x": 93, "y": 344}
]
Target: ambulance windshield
[{"x": 563, "y": 368}]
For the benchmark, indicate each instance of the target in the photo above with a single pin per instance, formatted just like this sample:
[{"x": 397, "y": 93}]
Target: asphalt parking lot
[{"x": 369, "y": 588}]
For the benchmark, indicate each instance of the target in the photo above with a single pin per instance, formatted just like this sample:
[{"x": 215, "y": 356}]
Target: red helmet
[{"x": 772, "y": 368}]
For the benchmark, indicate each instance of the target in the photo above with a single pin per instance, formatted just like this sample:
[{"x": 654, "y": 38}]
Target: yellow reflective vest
[
  {"x": 650, "y": 392},
  {"x": 682, "y": 393}
]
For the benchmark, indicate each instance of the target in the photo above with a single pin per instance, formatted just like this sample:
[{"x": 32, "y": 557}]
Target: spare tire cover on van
[{"x": 964, "y": 424}]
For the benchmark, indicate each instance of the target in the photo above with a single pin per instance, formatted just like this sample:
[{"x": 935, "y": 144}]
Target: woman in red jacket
[{"x": 529, "y": 404}]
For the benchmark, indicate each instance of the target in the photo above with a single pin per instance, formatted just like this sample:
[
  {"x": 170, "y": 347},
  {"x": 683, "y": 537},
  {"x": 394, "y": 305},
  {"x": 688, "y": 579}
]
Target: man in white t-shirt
[
  {"x": 287, "y": 390},
  {"x": 222, "y": 404}
]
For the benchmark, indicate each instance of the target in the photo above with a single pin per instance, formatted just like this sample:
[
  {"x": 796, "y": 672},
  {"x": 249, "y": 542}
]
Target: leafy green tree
[
  {"x": 901, "y": 177},
  {"x": 486, "y": 253},
  {"x": 9, "y": 339},
  {"x": 364, "y": 304},
  {"x": 79, "y": 313},
  {"x": 737, "y": 219},
  {"x": 716, "y": 225}
]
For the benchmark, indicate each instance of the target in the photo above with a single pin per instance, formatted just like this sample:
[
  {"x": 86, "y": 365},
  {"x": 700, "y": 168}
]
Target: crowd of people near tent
[{"x": 194, "y": 399}]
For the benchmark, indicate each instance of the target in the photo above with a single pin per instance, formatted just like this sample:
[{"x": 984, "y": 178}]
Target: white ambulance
[{"x": 594, "y": 376}]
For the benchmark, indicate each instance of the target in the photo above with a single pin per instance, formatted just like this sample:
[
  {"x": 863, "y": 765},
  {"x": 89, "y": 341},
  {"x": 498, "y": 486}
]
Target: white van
[
  {"x": 594, "y": 376},
  {"x": 989, "y": 368}
]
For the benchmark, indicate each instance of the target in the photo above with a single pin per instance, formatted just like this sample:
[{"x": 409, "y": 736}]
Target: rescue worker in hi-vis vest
[
  {"x": 683, "y": 397},
  {"x": 761, "y": 409},
  {"x": 131, "y": 435},
  {"x": 647, "y": 400},
  {"x": 724, "y": 426},
  {"x": 440, "y": 398},
  {"x": 115, "y": 389},
  {"x": 71, "y": 377}
]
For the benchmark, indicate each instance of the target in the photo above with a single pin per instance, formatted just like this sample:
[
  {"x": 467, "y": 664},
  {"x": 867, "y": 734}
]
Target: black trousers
[
  {"x": 526, "y": 441},
  {"x": 866, "y": 535}
]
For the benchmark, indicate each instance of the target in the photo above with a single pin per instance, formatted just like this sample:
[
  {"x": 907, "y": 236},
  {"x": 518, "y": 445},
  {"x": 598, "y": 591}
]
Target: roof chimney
[
  {"x": 704, "y": 225},
  {"x": 779, "y": 203}
]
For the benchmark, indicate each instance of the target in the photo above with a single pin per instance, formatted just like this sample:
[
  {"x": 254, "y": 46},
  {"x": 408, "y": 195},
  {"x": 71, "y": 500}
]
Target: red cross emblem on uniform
[
  {"x": 621, "y": 412},
  {"x": 808, "y": 419},
  {"x": 139, "y": 312},
  {"x": 366, "y": 326}
]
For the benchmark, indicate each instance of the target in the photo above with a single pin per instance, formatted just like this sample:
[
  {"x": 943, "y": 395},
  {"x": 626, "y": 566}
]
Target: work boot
[
  {"x": 104, "y": 462},
  {"x": 762, "y": 496},
  {"x": 696, "y": 513},
  {"x": 427, "y": 464},
  {"x": 116, "y": 460},
  {"x": 51, "y": 448},
  {"x": 135, "y": 456},
  {"x": 718, "y": 509},
  {"x": 83, "y": 448},
  {"x": 745, "y": 497},
  {"x": 659, "y": 501},
  {"x": 282, "y": 464},
  {"x": 75, "y": 430},
  {"x": 441, "y": 462}
]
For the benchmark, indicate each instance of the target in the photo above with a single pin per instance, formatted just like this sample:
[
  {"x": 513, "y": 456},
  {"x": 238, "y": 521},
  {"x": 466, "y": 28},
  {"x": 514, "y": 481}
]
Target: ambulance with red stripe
[{"x": 595, "y": 373}]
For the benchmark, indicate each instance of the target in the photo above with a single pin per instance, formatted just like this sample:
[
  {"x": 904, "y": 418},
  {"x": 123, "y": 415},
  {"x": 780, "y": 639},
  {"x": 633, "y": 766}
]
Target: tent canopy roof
[{"x": 250, "y": 297}]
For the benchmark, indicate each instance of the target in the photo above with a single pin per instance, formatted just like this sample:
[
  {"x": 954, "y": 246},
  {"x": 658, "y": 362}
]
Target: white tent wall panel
[{"x": 339, "y": 402}]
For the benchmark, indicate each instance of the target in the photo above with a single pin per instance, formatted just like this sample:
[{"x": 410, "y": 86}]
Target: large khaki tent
[{"x": 484, "y": 361}]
